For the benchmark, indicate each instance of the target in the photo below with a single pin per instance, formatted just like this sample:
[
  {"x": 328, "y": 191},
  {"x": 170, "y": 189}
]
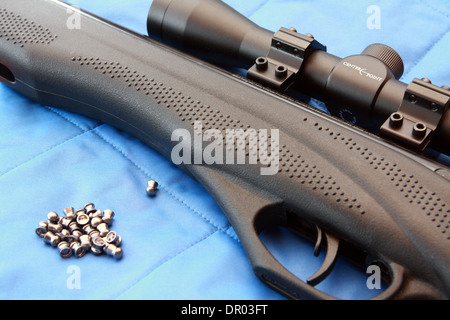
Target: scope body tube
[
  {"x": 363, "y": 89},
  {"x": 315, "y": 79},
  {"x": 196, "y": 27},
  {"x": 329, "y": 174},
  {"x": 316, "y": 76}
]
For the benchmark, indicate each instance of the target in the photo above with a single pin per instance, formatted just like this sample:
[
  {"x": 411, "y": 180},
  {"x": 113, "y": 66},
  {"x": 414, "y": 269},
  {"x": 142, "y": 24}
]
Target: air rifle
[{"x": 266, "y": 159}]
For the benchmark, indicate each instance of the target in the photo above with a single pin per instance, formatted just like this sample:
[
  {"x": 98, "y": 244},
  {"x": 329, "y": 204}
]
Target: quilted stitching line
[
  {"x": 166, "y": 189},
  {"x": 231, "y": 234},
  {"x": 46, "y": 151},
  {"x": 173, "y": 256},
  {"x": 445, "y": 14},
  {"x": 425, "y": 54},
  {"x": 60, "y": 114}
]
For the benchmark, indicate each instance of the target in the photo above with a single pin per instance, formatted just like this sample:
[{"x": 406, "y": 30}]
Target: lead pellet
[
  {"x": 96, "y": 251},
  {"x": 80, "y": 211},
  {"x": 94, "y": 233},
  {"x": 103, "y": 228},
  {"x": 114, "y": 251},
  {"x": 64, "y": 234},
  {"x": 113, "y": 238},
  {"x": 108, "y": 216},
  {"x": 89, "y": 208},
  {"x": 83, "y": 219},
  {"x": 77, "y": 249},
  {"x": 51, "y": 239},
  {"x": 152, "y": 186},
  {"x": 70, "y": 213},
  {"x": 97, "y": 213},
  {"x": 54, "y": 227},
  {"x": 98, "y": 243},
  {"x": 52, "y": 217},
  {"x": 71, "y": 239},
  {"x": 73, "y": 226},
  {"x": 88, "y": 228},
  {"x": 41, "y": 230},
  {"x": 96, "y": 221},
  {"x": 77, "y": 234},
  {"x": 85, "y": 241},
  {"x": 64, "y": 221},
  {"x": 64, "y": 250}
]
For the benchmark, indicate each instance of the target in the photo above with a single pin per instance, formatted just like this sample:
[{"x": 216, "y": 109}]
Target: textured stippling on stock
[
  {"x": 295, "y": 166},
  {"x": 406, "y": 183},
  {"x": 22, "y": 31}
]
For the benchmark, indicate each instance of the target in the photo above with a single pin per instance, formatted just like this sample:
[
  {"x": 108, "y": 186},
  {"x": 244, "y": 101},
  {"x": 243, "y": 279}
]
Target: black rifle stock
[{"x": 371, "y": 196}]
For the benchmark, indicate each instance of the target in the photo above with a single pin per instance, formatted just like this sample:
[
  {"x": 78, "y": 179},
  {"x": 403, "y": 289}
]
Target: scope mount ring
[
  {"x": 419, "y": 115},
  {"x": 281, "y": 66}
]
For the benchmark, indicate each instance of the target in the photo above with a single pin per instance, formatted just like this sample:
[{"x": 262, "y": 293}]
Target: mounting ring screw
[
  {"x": 413, "y": 98},
  {"x": 262, "y": 64},
  {"x": 419, "y": 130},
  {"x": 396, "y": 120},
  {"x": 426, "y": 80},
  {"x": 434, "y": 107},
  {"x": 281, "y": 72}
]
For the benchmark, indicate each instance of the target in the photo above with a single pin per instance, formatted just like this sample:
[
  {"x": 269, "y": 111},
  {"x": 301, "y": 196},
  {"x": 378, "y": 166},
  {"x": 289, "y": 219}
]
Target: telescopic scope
[{"x": 362, "y": 89}]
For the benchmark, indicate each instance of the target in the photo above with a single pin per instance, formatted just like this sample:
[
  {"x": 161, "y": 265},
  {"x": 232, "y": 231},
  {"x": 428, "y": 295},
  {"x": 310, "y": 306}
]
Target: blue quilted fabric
[{"x": 177, "y": 245}]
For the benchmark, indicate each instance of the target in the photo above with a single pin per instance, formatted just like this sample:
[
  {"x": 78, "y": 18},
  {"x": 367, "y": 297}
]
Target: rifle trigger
[
  {"x": 330, "y": 258},
  {"x": 318, "y": 241}
]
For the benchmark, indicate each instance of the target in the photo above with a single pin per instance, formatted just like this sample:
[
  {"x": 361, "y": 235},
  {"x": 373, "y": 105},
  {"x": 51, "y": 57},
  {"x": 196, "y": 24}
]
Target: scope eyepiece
[
  {"x": 155, "y": 18},
  {"x": 388, "y": 56}
]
